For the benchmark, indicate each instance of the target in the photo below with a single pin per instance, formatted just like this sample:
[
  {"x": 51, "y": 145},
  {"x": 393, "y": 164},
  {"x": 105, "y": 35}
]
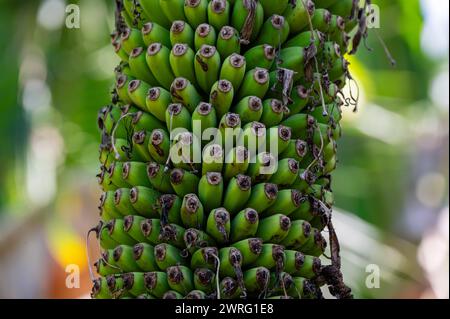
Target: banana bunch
[{"x": 190, "y": 212}]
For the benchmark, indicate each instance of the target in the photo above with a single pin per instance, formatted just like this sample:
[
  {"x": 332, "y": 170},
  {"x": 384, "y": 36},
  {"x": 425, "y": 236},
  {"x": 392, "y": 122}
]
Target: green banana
[
  {"x": 255, "y": 83},
  {"x": 104, "y": 236},
  {"x": 154, "y": 33},
  {"x": 205, "y": 258},
  {"x": 237, "y": 193},
  {"x": 132, "y": 227},
  {"x": 108, "y": 207},
  {"x": 159, "y": 177},
  {"x": 299, "y": 234},
  {"x": 151, "y": 228},
  {"x": 167, "y": 256},
  {"x": 210, "y": 190},
  {"x": 300, "y": 98},
  {"x": 204, "y": 118},
  {"x": 196, "y": 12},
  {"x": 299, "y": 14},
  {"x": 134, "y": 283},
  {"x": 205, "y": 280},
  {"x": 228, "y": 42},
  {"x": 299, "y": 124},
  {"x": 296, "y": 150},
  {"x": 173, "y": 234},
  {"x": 244, "y": 225},
  {"x": 134, "y": 173},
  {"x": 120, "y": 51},
  {"x": 196, "y": 239},
  {"x": 159, "y": 146},
  {"x": 181, "y": 32},
  {"x": 158, "y": 60},
  {"x": 122, "y": 83},
  {"x": 207, "y": 67},
  {"x": 115, "y": 173},
  {"x": 229, "y": 288},
  {"x": 273, "y": 112},
  {"x": 185, "y": 151},
  {"x": 140, "y": 144},
  {"x": 131, "y": 39},
  {"x": 271, "y": 256},
  {"x": 236, "y": 162},
  {"x": 145, "y": 200},
  {"x": 205, "y": 34},
  {"x": 139, "y": 67},
  {"x": 173, "y": 9},
  {"x": 233, "y": 69},
  {"x": 262, "y": 168},
  {"x": 278, "y": 138},
  {"x": 221, "y": 97},
  {"x": 274, "y": 32},
  {"x": 144, "y": 121},
  {"x": 103, "y": 269},
  {"x": 184, "y": 182},
  {"x": 184, "y": 92},
  {"x": 300, "y": 265},
  {"x": 321, "y": 20},
  {"x": 169, "y": 206},
  {"x": 192, "y": 212},
  {"x": 274, "y": 229},
  {"x": 263, "y": 196},
  {"x": 260, "y": 56},
  {"x": 180, "y": 279},
  {"x": 248, "y": 18},
  {"x": 288, "y": 201},
  {"x": 315, "y": 245},
  {"x": 100, "y": 289},
  {"x": 122, "y": 201},
  {"x": 303, "y": 289},
  {"x": 287, "y": 172},
  {"x": 144, "y": 255},
  {"x": 124, "y": 258},
  {"x": 182, "y": 61},
  {"x": 273, "y": 7},
  {"x": 213, "y": 159},
  {"x": 153, "y": 10},
  {"x": 218, "y": 225},
  {"x": 178, "y": 116},
  {"x": 156, "y": 283},
  {"x": 250, "y": 249},
  {"x": 250, "y": 109},
  {"x": 219, "y": 13}
]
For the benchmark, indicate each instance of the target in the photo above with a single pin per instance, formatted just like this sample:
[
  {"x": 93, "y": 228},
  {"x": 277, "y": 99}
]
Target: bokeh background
[{"x": 391, "y": 185}]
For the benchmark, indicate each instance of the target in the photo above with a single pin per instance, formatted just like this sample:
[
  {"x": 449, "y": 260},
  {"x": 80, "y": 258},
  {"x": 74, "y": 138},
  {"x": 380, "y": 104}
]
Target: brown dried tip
[
  {"x": 175, "y": 109},
  {"x": 277, "y": 106},
  {"x": 232, "y": 120},
  {"x": 255, "y": 245},
  {"x": 139, "y": 137},
  {"x": 262, "y": 277},
  {"x": 203, "y": 30},
  {"x": 340, "y": 23},
  {"x": 190, "y": 236},
  {"x": 128, "y": 280},
  {"x": 293, "y": 166},
  {"x": 229, "y": 286},
  {"x": 251, "y": 216},
  {"x": 301, "y": 148},
  {"x": 178, "y": 26},
  {"x": 243, "y": 182},
  {"x": 194, "y": 295},
  {"x": 137, "y": 117},
  {"x": 327, "y": 17},
  {"x": 167, "y": 200},
  {"x": 176, "y": 176},
  {"x": 117, "y": 196},
  {"x": 219, "y": 6},
  {"x": 169, "y": 295},
  {"x": 296, "y": 197},
  {"x": 207, "y": 51},
  {"x": 209, "y": 253},
  {"x": 192, "y": 3},
  {"x": 237, "y": 61},
  {"x": 192, "y": 203},
  {"x": 205, "y": 108},
  {"x": 117, "y": 253},
  {"x": 126, "y": 170},
  {"x": 117, "y": 46},
  {"x": 121, "y": 80},
  {"x": 111, "y": 282},
  {"x": 317, "y": 266},
  {"x": 138, "y": 250},
  {"x": 241, "y": 154},
  {"x": 150, "y": 280},
  {"x": 147, "y": 28},
  {"x": 225, "y": 86},
  {"x": 160, "y": 252},
  {"x": 271, "y": 191},
  {"x": 302, "y": 92},
  {"x": 179, "y": 49},
  {"x": 221, "y": 216},
  {"x": 128, "y": 222},
  {"x": 299, "y": 260},
  {"x": 311, "y": 7},
  {"x": 214, "y": 178},
  {"x": 153, "y": 169},
  {"x": 134, "y": 85},
  {"x": 226, "y": 33},
  {"x": 258, "y": 129},
  {"x": 277, "y": 21},
  {"x": 269, "y": 52},
  {"x": 126, "y": 34},
  {"x": 157, "y": 138},
  {"x": 154, "y": 49},
  {"x": 285, "y": 223},
  {"x": 277, "y": 252},
  {"x": 134, "y": 195},
  {"x": 261, "y": 76},
  {"x": 284, "y": 133},
  {"x": 136, "y": 52},
  {"x": 205, "y": 276},
  {"x": 306, "y": 229},
  {"x": 147, "y": 227},
  {"x": 255, "y": 103},
  {"x": 235, "y": 256},
  {"x": 175, "y": 275}
]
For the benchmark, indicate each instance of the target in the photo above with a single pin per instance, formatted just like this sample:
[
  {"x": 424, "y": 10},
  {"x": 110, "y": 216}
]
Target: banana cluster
[{"x": 220, "y": 226}]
